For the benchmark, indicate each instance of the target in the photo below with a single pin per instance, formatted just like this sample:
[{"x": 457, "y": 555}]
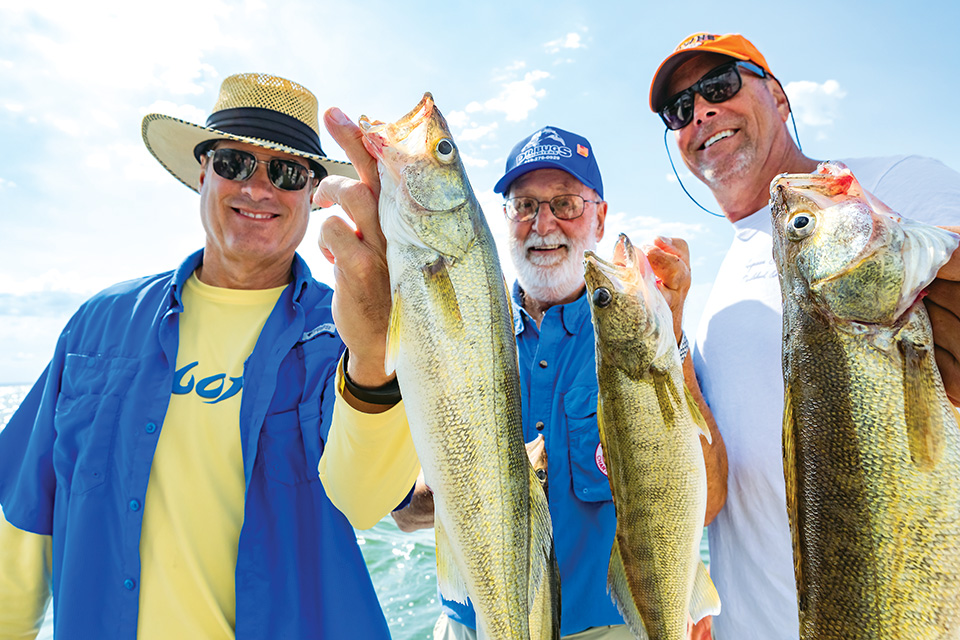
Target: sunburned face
[
  {"x": 548, "y": 252},
  {"x": 727, "y": 141},
  {"x": 253, "y": 228}
]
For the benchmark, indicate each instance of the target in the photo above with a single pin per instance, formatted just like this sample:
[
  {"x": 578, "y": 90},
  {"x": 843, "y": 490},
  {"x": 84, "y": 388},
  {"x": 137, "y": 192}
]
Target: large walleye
[
  {"x": 452, "y": 344},
  {"x": 650, "y": 431},
  {"x": 871, "y": 444}
]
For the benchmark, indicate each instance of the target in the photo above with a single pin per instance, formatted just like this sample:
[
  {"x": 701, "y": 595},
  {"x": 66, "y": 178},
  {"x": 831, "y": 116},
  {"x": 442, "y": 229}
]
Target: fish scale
[
  {"x": 452, "y": 345},
  {"x": 649, "y": 430},
  {"x": 871, "y": 444}
]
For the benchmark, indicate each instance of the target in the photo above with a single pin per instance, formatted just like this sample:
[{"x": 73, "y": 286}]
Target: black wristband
[{"x": 386, "y": 394}]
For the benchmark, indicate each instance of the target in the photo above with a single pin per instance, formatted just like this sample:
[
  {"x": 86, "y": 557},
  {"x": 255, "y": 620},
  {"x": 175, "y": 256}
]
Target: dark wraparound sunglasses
[
  {"x": 717, "y": 85},
  {"x": 234, "y": 164}
]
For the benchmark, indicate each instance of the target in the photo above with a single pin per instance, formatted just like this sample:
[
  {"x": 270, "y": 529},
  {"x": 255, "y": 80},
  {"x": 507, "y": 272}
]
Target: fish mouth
[
  {"x": 377, "y": 135},
  {"x": 717, "y": 137}
]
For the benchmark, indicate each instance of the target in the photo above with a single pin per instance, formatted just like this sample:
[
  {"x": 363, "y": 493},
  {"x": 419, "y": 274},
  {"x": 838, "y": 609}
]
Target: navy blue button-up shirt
[
  {"x": 558, "y": 384},
  {"x": 75, "y": 461}
]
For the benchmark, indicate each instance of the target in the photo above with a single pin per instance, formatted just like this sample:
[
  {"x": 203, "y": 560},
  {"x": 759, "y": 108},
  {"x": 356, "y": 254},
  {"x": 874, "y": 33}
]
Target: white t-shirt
[{"x": 737, "y": 358}]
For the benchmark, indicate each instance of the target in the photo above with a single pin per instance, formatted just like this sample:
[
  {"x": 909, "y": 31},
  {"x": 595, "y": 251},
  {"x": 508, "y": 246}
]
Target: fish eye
[
  {"x": 801, "y": 225},
  {"x": 445, "y": 150},
  {"x": 602, "y": 297}
]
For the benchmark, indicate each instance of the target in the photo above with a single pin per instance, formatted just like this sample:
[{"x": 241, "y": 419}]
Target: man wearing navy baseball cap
[{"x": 555, "y": 211}]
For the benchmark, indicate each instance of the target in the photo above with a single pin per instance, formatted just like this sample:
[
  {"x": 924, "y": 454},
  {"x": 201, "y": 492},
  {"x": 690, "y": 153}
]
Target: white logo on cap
[{"x": 535, "y": 150}]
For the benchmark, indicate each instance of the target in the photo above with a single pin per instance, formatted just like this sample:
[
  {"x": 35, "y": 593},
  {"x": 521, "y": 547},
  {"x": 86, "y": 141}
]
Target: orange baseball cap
[{"x": 728, "y": 44}]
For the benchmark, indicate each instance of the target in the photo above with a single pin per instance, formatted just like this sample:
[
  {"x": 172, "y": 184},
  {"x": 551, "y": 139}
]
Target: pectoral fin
[
  {"x": 922, "y": 406},
  {"x": 449, "y": 579},
  {"x": 619, "y": 587},
  {"x": 393, "y": 336},
  {"x": 792, "y": 488},
  {"x": 698, "y": 418},
  {"x": 443, "y": 296},
  {"x": 704, "y": 599}
]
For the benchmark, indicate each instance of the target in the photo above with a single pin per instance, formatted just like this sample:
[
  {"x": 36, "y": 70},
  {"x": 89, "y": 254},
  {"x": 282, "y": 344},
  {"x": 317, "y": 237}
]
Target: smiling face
[
  {"x": 735, "y": 147},
  {"x": 548, "y": 252},
  {"x": 253, "y": 228}
]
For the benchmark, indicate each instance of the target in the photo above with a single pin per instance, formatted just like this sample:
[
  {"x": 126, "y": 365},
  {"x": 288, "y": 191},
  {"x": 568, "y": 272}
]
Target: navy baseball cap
[{"x": 553, "y": 148}]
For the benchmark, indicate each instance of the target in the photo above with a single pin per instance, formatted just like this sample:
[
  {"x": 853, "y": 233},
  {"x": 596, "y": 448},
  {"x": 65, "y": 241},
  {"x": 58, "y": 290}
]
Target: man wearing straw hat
[
  {"x": 167, "y": 457},
  {"x": 728, "y": 114}
]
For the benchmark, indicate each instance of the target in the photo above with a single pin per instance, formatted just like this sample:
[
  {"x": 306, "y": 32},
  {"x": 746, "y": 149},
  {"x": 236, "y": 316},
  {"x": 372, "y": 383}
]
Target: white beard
[{"x": 550, "y": 279}]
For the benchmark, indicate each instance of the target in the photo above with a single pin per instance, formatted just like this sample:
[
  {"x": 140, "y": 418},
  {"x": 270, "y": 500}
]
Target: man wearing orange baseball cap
[{"x": 728, "y": 113}]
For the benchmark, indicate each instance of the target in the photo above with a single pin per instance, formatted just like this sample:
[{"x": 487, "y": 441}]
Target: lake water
[{"x": 402, "y": 565}]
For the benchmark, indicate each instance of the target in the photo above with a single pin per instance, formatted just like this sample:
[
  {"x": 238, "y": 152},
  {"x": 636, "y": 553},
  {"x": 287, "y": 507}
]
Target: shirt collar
[
  {"x": 572, "y": 315},
  {"x": 301, "y": 276}
]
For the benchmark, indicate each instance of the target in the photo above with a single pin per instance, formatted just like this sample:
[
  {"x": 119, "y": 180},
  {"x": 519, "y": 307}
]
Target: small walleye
[
  {"x": 871, "y": 444},
  {"x": 452, "y": 344},
  {"x": 650, "y": 432}
]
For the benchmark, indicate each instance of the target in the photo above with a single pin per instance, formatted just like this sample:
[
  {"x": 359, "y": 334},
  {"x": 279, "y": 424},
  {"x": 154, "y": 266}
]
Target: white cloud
[
  {"x": 457, "y": 119},
  {"x": 519, "y": 97},
  {"x": 7, "y": 184},
  {"x": 569, "y": 41},
  {"x": 469, "y": 161},
  {"x": 815, "y": 105},
  {"x": 475, "y": 132},
  {"x": 14, "y": 107}
]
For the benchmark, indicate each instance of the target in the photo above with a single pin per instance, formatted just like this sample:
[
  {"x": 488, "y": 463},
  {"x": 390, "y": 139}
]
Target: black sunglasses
[
  {"x": 234, "y": 164},
  {"x": 718, "y": 85}
]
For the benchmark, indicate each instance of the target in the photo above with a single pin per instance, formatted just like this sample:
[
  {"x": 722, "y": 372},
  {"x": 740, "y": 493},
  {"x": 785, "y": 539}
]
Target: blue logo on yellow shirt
[{"x": 209, "y": 388}]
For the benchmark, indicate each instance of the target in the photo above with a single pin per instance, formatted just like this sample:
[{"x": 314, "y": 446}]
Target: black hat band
[{"x": 265, "y": 124}]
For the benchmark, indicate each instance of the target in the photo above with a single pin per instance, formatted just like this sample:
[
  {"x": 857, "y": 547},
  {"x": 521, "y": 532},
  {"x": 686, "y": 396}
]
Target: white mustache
[{"x": 555, "y": 237}]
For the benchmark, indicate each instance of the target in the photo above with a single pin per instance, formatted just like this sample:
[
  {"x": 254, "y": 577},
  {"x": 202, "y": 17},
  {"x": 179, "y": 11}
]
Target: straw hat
[{"x": 255, "y": 108}]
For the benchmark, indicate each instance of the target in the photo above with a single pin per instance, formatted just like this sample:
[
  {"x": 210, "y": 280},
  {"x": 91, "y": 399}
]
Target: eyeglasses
[
  {"x": 718, "y": 85},
  {"x": 234, "y": 164},
  {"x": 565, "y": 207}
]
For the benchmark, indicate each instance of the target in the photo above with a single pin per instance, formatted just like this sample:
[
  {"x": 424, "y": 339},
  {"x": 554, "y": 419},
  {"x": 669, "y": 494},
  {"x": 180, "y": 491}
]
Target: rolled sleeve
[{"x": 369, "y": 463}]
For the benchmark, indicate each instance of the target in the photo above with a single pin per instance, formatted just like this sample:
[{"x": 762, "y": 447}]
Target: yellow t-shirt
[{"x": 193, "y": 509}]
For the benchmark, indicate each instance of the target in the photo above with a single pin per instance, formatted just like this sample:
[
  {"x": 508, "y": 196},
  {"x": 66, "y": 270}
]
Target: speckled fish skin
[
  {"x": 651, "y": 446},
  {"x": 452, "y": 344},
  {"x": 871, "y": 443}
]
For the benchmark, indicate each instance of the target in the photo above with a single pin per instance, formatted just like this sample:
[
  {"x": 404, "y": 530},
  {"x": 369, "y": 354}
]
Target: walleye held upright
[{"x": 452, "y": 345}]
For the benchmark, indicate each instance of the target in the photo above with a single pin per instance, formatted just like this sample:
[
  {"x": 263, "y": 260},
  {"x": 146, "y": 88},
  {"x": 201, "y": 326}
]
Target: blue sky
[{"x": 83, "y": 204}]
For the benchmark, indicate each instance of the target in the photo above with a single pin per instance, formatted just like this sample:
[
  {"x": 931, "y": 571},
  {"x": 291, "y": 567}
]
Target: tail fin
[{"x": 544, "y": 585}]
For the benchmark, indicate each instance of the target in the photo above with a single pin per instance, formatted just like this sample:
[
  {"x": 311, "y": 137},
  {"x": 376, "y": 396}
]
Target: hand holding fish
[
  {"x": 943, "y": 306},
  {"x": 670, "y": 260},
  {"x": 361, "y": 299}
]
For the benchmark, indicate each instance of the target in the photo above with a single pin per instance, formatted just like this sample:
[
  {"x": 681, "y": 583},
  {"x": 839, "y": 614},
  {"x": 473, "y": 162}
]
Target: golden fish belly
[
  {"x": 458, "y": 375},
  {"x": 656, "y": 472},
  {"x": 876, "y": 526}
]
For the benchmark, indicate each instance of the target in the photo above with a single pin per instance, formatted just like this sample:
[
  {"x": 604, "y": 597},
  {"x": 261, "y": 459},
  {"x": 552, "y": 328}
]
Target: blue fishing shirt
[
  {"x": 75, "y": 461},
  {"x": 558, "y": 386}
]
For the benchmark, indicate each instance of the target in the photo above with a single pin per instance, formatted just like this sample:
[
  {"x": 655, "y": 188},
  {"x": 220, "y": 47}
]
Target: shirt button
[
  {"x": 543, "y": 364},
  {"x": 129, "y": 584},
  {"x": 150, "y": 428},
  {"x": 539, "y": 426},
  {"x": 134, "y": 505}
]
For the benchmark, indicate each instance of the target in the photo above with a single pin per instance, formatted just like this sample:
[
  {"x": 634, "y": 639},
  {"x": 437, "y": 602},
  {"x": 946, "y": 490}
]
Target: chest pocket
[
  {"x": 282, "y": 450},
  {"x": 86, "y": 418},
  {"x": 589, "y": 482},
  {"x": 290, "y": 442}
]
